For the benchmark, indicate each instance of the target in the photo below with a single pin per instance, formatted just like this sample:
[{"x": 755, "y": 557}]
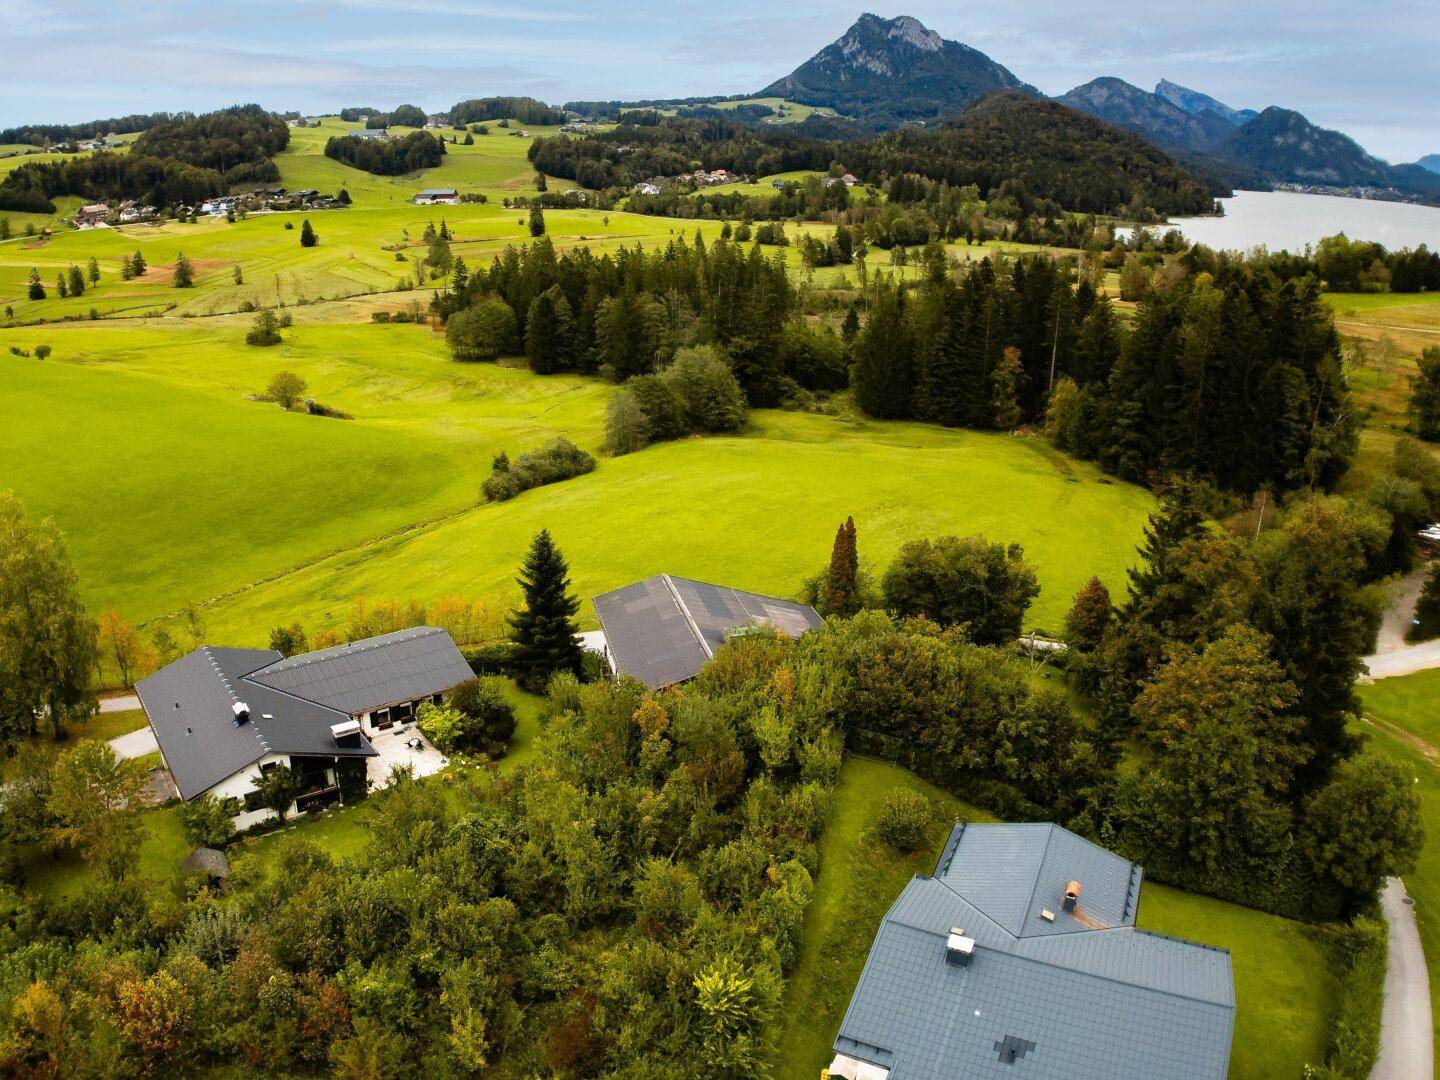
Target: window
[{"x": 404, "y": 712}]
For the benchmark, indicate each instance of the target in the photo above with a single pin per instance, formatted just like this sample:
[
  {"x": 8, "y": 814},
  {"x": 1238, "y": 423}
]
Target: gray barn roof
[
  {"x": 292, "y": 703},
  {"x": 664, "y": 629},
  {"x": 1087, "y": 996}
]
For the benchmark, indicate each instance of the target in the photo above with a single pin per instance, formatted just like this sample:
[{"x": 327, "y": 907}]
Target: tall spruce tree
[
  {"x": 544, "y": 628},
  {"x": 307, "y": 234},
  {"x": 884, "y": 373},
  {"x": 550, "y": 333},
  {"x": 1177, "y": 520}
]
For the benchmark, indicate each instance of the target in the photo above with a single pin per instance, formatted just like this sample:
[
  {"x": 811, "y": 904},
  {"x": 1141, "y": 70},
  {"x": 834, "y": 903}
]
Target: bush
[
  {"x": 712, "y": 399},
  {"x": 1361, "y": 955},
  {"x": 477, "y": 718},
  {"x": 903, "y": 820},
  {"x": 492, "y": 659},
  {"x": 951, "y": 581},
  {"x": 483, "y": 332},
  {"x": 207, "y": 821},
  {"x": 560, "y": 460},
  {"x": 265, "y": 330},
  {"x": 286, "y": 389}
]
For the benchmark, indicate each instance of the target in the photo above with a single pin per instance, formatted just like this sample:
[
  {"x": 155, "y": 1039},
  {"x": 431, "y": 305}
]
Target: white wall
[{"x": 239, "y": 784}]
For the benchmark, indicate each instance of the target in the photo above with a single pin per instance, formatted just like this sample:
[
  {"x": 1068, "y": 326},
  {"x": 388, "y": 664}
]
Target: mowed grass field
[
  {"x": 1405, "y": 726},
  {"x": 1283, "y": 985}
]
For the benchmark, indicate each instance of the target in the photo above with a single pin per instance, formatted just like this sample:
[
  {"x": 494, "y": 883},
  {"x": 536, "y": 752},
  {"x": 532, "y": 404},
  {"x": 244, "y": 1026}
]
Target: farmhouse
[
  {"x": 87, "y": 217},
  {"x": 369, "y": 133},
  {"x": 224, "y": 716},
  {"x": 1020, "y": 956},
  {"x": 664, "y": 629},
  {"x": 431, "y": 196},
  {"x": 646, "y": 187}
]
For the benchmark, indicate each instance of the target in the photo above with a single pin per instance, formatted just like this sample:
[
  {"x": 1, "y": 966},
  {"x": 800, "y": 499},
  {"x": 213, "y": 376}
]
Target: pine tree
[
  {"x": 237, "y": 274},
  {"x": 93, "y": 271},
  {"x": 1425, "y": 396},
  {"x": 183, "y": 276},
  {"x": 544, "y": 629},
  {"x": 77, "y": 281},
  {"x": 1176, "y": 521},
  {"x": 138, "y": 266},
  {"x": 37, "y": 288},
  {"x": 61, "y": 286},
  {"x": 550, "y": 333},
  {"x": 850, "y": 328},
  {"x": 1005, "y": 383},
  {"x": 842, "y": 584},
  {"x": 444, "y": 233},
  {"x": 1089, "y": 616},
  {"x": 537, "y": 221},
  {"x": 884, "y": 370},
  {"x": 307, "y": 234}
]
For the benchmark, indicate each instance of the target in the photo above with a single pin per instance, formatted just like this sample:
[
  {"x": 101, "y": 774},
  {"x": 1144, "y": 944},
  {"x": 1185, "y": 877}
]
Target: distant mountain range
[{"x": 894, "y": 72}]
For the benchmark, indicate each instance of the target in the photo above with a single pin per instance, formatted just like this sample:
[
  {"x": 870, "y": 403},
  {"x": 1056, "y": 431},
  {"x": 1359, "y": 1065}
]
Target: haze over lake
[{"x": 1284, "y": 220}]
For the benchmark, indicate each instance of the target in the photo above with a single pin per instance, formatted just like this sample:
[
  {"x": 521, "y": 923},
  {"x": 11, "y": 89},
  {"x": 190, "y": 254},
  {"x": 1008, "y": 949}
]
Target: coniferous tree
[
  {"x": 93, "y": 271},
  {"x": 37, "y": 288},
  {"x": 1427, "y": 609},
  {"x": 77, "y": 281},
  {"x": 1005, "y": 385},
  {"x": 1425, "y": 396},
  {"x": 1177, "y": 520},
  {"x": 138, "y": 266},
  {"x": 1089, "y": 617},
  {"x": 884, "y": 375},
  {"x": 550, "y": 333},
  {"x": 183, "y": 276},
  {"x": 307, "y": 234},
  {"x": 842, "y": 579},
  {"x": 62, "y": 285},
  {"x": 537, "y": 221},
  {"x": 543, "y": 628}
]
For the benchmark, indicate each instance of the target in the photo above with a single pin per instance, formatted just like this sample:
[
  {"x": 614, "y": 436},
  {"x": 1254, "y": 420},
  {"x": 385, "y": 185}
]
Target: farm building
[
  {"x": 431, "y": 196},
  {"x": 88, "y": 217},
  {"x": 664, "y": 629},
  {"x": 224, "y": 716},
  {"x": 368, "y": 133},
  {"x": 1019, "y": 956}
]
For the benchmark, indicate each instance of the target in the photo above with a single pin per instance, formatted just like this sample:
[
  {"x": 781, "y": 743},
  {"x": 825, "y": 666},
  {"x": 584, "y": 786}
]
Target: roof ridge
[
  {"x": 1035, "y": 884},
  {"x": 1111, "y": 978},
  {"x": 685, "y": 611}
]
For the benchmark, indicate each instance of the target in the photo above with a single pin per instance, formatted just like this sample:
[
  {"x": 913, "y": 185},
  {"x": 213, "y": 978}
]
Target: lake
[{"x": 1285, "y": 220}]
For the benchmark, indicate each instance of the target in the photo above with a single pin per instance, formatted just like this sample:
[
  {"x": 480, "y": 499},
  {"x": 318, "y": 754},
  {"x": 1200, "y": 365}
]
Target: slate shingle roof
[
  {"x": 292, "y": 702},
  {"x": 664, "y": 629},
  {"x": 1068, "y": 1000}
]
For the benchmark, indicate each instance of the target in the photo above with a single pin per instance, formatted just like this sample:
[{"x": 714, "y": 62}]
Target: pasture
[{"x": 173, "y": 487}]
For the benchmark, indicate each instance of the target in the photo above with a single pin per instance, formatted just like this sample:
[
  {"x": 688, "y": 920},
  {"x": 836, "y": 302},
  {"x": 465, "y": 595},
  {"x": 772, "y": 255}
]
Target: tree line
[{"x": 525, "y": 110}]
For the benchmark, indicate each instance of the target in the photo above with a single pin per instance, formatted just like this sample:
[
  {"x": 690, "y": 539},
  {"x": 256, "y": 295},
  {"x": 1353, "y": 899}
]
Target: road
[
  {"x": 1406, "y": 1046},
  {"x": 1401, "y": 611},
  {"x": 1405, "y": 661},
  {"x": 123, "y": 703}
]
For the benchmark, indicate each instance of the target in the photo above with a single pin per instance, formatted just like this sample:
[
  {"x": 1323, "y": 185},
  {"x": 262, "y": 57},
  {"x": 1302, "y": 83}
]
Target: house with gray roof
[
  {"x": 664, "y": 629},
  {"x": 1019, "y": 957},
  {"x": 223, "y": 716}
]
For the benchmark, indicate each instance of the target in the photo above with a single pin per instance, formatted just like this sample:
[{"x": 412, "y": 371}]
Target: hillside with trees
[
  {"x": 237, "y": 142},
  {"x": 525, "y": 110},
  {"x": 387, "y": 157}
]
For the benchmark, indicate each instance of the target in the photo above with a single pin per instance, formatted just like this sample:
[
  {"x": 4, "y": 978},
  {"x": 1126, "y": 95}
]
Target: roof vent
[
  {"x": 1072, "y": 896},
  {"x": 1047, "y": 914},
  {"x": 959, "y": 948},
  {"x": 346, "y": 733},
  {"x": 241, "y": 711}
]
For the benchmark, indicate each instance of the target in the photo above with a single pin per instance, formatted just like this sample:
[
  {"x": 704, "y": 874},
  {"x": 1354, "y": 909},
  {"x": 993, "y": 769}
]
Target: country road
[
  {"x": 1406, "y": 1039},
  {"x": 1405, "y": 661}
]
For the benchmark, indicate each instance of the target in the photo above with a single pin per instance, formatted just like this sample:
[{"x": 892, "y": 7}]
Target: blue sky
[{"x": 1366, "y": 69}]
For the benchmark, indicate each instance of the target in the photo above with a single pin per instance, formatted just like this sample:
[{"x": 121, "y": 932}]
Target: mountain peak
[
  {"x": 1198, "y": 104},
  {"x": 894, "y": 70}
]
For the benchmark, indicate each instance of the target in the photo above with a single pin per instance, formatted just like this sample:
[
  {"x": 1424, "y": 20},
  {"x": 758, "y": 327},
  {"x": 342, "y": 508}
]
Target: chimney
[
  {"x": 1072, "y": 896},
  {"x": 242, "y": 712},
  {"x": 346, "y": 733},
  {"x": 959, "y": 948}
]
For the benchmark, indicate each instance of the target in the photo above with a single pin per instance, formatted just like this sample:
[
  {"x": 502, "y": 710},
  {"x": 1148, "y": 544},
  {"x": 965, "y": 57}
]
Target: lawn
[
  {"x": 1282, "y": 970},
  {"x": 1412, "y": 704}
]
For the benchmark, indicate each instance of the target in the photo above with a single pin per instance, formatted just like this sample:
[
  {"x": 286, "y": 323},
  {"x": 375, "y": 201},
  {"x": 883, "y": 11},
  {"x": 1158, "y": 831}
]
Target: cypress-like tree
[
  {"x": 77, "y": 281},
  {"x": 842, "y": 585},
  {"x": 307, "y": 234},
  {"x": 544, "y": 628},
  {"x": 537, "y": 221}
]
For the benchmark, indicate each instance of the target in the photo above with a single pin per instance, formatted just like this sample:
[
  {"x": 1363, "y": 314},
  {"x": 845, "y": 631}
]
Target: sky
[{"x": 1367, "y": 69}]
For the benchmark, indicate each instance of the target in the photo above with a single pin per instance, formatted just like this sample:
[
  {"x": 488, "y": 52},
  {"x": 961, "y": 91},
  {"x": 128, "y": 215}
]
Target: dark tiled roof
[
  {"x": 371, "y": 674},
  {"x": 292, "y": 703},
  {"x": 1070, "y": 1000},
  {"x": 664, "y": 629}
]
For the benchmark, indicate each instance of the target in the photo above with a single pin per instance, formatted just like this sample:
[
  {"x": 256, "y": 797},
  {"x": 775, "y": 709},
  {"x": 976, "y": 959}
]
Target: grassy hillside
[{"x": 172, "y": 487}]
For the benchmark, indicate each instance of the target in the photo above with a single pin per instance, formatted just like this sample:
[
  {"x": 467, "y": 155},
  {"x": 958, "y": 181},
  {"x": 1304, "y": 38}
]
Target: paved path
[
  {"x": 135, "y": 743},
  {"x": 1401, "y": 612},
  {"x": 1404, "y": 661},
  {"x": 1406, "y": 1046},
  {"x": 123, "y": 703}
]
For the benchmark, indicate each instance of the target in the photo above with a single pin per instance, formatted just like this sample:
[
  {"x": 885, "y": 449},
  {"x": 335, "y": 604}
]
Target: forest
[
  {"x": 237, "y": 142},
  {"x": 387, "y": 157}
]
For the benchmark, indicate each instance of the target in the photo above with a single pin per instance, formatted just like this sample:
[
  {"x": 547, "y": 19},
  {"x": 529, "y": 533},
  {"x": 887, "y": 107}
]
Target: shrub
[
  {"x": 42, "y": 352},
  {"x": 380, "y": 316},
  {"x": 491, "y": 659},
  {"x": 709, "y": 392},
  {"x": 903, "y": 820},
  {"x": 560, "y": 460},
  {"x": 1360, "y": 950},
  {"x": 477, "y": 718},
  {"x": 207, "y": 821},
  {"x": 483, "y": 332},
  {"x": 265, "y": 330},
  {"x": 969, "y": 580},
  {"x": 626, "y": 429}
]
